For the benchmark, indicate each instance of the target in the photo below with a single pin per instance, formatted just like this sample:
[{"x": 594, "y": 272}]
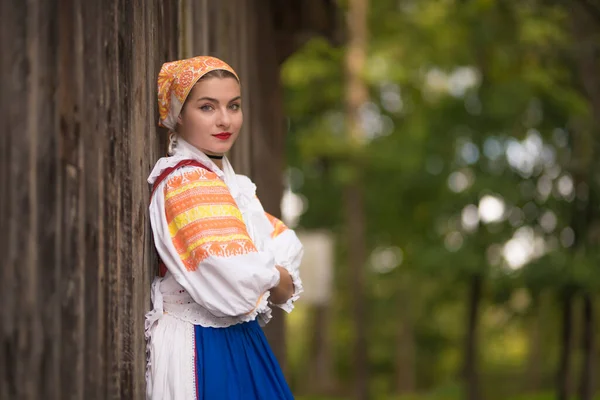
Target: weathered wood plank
[
  {"x": 92, "y": 124},
  {"x": 49, "y": 199},
  {"x": 124, "y": 177},
  {"x": 71, "y": 295},
  {"x": 11, "y": 64},
  {"x": 21, "y": 337},
  {"x": 267, "y": 143},
  {"x": 140, "y": 148},
  {"x": 112, "y": 200}
]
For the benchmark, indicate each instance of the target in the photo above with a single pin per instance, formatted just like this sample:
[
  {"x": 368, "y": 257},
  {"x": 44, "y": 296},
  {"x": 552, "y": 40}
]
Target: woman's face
[{"x": 212, "y": 116}]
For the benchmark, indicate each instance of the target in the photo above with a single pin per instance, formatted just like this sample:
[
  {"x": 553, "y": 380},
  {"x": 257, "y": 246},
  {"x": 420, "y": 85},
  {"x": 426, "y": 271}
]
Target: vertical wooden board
[
  {"x": 93, "y": 145},
  {"x": 103, "y": 138},
  {"x": 30, "y": 343},
  {"x": 15, "y": 64},
  {"x": 49, "y": 200},
  {"x": 254, "y": 125},
  {"x": 125, "y": 78},
  {"x": 187, "y": 28},
  {"x": 240, "y": 154},
  {"x": 213, "y": 22},
  {"x": 267, "y": 149},
  {"x": 143, "y": 150},
  {"x": 71, "y": 216},
  {"x": 267, "y": 126},
  {"x": 224, "y": 29},
  {"x": 140, "y": 147},
  {"x": 169, "y": 23},
  {"x": 111, "y": 199},
  {"x": 236, "y": 34},
  {"x": 200, "y": 25},
  {"x": 204, "y": 23}
]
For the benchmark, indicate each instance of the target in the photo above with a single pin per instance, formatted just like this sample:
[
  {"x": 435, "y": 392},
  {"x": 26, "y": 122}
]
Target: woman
[{"x": 224, "y": 261}]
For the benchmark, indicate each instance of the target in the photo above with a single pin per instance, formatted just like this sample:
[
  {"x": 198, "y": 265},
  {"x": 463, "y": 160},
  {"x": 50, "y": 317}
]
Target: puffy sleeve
[
  {"x": 288, "y": 251},
  {"x": 201, "y": 237}
]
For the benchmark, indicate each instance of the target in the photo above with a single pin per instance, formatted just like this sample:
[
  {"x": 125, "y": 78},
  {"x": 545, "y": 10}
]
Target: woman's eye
[
  {"x": 235, "y": 107},
  {"x": 206, "y": 107}
]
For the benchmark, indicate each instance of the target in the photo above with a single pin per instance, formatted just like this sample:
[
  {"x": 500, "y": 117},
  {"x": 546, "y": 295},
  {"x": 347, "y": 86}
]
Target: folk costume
[{"x": 218, "y": 251}]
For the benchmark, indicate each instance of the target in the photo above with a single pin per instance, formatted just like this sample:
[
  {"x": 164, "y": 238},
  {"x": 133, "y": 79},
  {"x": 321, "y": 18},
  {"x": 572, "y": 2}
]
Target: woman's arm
[
  {"x": 284, "y": 290},
  {"x": 288, "y": 252}
]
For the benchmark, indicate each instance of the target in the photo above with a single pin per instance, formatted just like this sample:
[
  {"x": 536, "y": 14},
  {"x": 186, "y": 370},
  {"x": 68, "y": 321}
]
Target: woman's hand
[{"x": 284, "y": 290}]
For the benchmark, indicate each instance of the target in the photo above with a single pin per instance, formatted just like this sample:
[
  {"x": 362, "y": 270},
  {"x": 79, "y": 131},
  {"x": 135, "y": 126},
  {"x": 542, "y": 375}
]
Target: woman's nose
[{"x": 224, "y": 119}]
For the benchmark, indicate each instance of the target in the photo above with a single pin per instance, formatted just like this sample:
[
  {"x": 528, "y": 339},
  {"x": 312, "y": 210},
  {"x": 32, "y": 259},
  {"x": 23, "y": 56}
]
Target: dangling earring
[{"x": 172, "y": 143}]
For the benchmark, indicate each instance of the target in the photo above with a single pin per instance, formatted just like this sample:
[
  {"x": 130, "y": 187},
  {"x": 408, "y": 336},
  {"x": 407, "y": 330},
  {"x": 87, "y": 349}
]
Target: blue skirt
[{"x": 237, "y": 363}]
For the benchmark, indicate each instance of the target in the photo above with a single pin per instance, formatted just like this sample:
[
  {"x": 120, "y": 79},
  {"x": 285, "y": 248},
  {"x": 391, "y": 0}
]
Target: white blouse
[{"x": 218, "y": 244}]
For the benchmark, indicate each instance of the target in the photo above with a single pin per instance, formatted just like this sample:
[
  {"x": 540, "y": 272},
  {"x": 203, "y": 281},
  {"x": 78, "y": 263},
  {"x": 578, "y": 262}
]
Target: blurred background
[
  {"x": 439, "y": 159},
  {"x": 445, "y": 158}
]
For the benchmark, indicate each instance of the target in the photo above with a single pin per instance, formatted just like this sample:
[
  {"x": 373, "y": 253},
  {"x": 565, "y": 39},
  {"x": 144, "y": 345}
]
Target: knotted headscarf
[{"x": 175, "y": 81}]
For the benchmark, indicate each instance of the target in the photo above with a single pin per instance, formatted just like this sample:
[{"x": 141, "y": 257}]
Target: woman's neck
[
  {"x": 218, "y": 162},
  {"x": 216, "y": 159}
]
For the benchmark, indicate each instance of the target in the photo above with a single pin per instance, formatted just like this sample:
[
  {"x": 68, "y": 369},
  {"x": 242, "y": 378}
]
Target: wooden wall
[{"x": 78, "y": 139}]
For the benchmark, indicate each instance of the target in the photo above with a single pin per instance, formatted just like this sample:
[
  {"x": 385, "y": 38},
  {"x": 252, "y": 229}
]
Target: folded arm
[{"x": 201, "y": 237}]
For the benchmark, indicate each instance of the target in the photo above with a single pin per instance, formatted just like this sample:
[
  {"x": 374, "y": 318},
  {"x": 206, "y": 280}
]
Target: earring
[{"x": 172, "y": 143}]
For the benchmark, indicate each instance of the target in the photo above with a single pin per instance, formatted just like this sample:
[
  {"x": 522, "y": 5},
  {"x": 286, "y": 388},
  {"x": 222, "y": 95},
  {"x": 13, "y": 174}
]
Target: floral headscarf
[{"x": 175, "y": 81}]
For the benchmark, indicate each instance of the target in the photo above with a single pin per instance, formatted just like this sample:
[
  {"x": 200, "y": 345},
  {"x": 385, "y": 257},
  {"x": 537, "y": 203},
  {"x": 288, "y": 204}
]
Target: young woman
[{"x": 224, "y": 261}]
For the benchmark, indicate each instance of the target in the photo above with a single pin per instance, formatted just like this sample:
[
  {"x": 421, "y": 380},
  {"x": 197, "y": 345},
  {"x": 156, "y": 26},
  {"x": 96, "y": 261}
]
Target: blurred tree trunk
[
  {"x": 354, "y": 199},
  {"x": 319, "y": 373},
  {"x": 586, "y": 387},
  {"x": 470, "y": 373},
  {"x": 356, "y": 96},
  {"x": 406, "y": 346},
  {"x": 535, "y": 360},
  {"x": 586, "y": 30},
  {"x": 566, "y": 347}
]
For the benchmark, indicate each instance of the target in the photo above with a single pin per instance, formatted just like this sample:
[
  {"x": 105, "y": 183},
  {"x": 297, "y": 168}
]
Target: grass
[{"x": 444, "y": 396}]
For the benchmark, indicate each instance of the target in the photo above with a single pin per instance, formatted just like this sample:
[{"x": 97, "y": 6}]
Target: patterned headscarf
[{"x": 175, "y": 81}]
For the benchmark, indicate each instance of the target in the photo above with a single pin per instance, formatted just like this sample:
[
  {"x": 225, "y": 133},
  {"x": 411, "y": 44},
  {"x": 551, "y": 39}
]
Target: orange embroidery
[
  {"x": 204, "y": 219},
  {"x": 278, "y": 226}
]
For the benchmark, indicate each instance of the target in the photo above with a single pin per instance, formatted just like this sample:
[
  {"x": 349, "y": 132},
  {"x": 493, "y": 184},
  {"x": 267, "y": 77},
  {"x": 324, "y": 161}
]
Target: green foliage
[{"x": 467, "y": 99}]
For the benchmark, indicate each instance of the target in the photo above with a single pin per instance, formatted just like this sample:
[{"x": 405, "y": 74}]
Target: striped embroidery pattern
[
  {"x": 203, "y": 218},
  {"x": 278, "y": 226}
]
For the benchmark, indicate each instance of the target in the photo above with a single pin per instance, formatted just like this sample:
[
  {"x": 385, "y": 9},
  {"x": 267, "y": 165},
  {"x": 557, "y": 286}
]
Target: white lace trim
[
  {"x": 168, "y": 297},
  {"x": 195, "y": 314},
  {"x": 190, "y": 379}
]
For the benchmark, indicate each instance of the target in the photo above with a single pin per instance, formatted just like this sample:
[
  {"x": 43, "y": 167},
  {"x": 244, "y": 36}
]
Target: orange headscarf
[{"x": 175, "y": 81}]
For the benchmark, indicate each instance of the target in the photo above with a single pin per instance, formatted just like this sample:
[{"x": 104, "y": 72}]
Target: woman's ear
[{"x": 179, "y": 120}]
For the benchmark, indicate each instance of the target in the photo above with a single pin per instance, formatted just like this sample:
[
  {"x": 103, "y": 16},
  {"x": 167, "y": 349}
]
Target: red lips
[{"x": 223, "y": 135}]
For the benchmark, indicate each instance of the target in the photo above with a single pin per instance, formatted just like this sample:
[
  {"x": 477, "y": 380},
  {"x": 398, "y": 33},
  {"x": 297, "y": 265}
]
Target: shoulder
[
  {"x": 197, "y": 194},
  {"x": 245, "y": 183},
  {"x": 192, "y": 177},
  {"x": 278, "y": 226}
]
